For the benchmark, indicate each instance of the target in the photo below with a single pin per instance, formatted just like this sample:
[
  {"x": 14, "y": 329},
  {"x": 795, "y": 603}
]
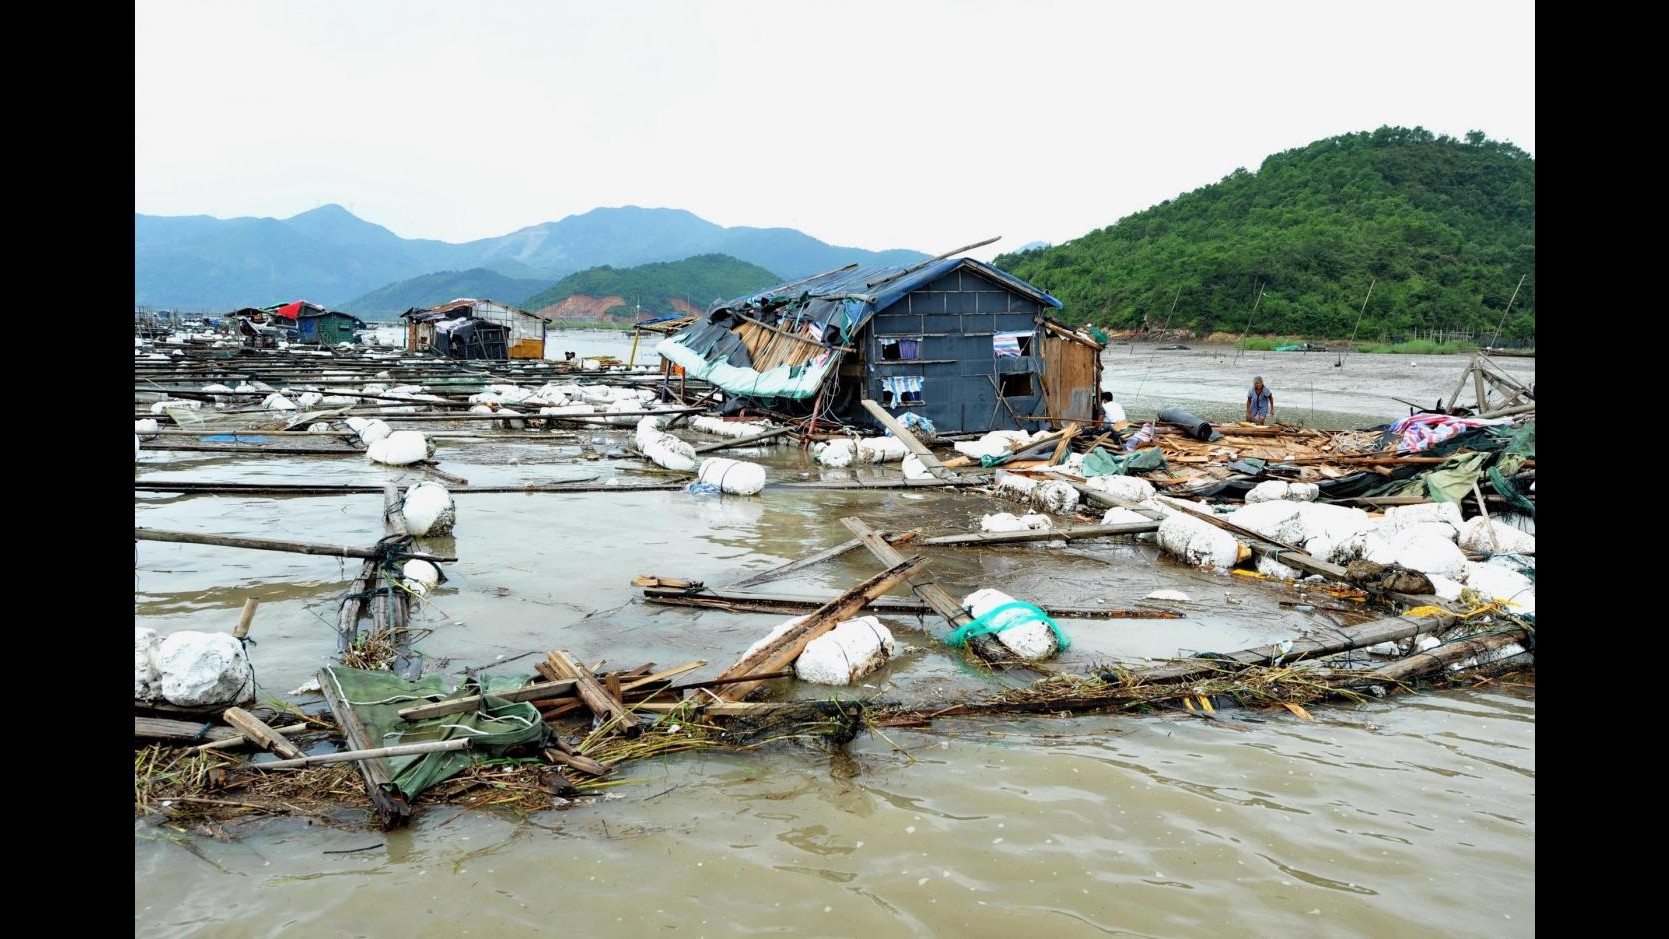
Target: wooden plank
[
  {"x": 909, "y": 440},
  {"x": 390, "y": 803},
  {"x": 257, "y": 730},
  {"x": 781, "y": 652},
  {"x": 542, "y": 691}
]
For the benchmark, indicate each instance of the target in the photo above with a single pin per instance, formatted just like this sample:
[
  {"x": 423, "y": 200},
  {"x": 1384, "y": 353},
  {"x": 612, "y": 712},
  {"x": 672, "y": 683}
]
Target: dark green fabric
[
  {"x": 1505, "y": 487},
  {"x": 377, "y": 698},
  {"x": 1101, "y": 463}
]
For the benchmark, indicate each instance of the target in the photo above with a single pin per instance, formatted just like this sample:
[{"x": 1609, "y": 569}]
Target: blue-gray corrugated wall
[{"x": 955, "y": 318}]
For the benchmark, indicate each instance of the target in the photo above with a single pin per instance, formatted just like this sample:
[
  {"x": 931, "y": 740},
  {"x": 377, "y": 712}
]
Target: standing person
[{"x": 1260, "y": 403}]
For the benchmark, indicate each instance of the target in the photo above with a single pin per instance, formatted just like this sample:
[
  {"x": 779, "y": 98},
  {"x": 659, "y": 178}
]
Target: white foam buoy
[
  {"x": 846, "y": 653},
  {"x": 420, "y": 576},
  {"x": 197, "y": 669},
  {"x": 401, "y": 448},
  {"x": 665, "y": 449},
  {"x": 429, "y": 510},
  {"x": 736, "y": 477},
  {"x": 1029, "y": 638}
]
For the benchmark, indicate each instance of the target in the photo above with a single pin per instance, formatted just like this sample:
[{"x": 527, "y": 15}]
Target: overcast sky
[{"x": 923, "y": 124}]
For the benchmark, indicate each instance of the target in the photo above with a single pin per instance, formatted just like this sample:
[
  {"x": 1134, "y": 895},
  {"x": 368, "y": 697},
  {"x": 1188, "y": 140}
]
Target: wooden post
[
  {"x": 392, "y": 808},
  {"x": 246, "y": 618},
  {"x": 779, "y": 654},
  {"x": 257, "y": 730}
]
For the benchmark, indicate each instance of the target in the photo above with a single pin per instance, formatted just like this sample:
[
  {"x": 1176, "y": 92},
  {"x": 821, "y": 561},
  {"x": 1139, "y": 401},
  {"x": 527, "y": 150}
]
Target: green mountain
[
  {"x": 1443, "y": 230},
  {"x": 441, "y": 286},
  {"x": 330, "y": 256},
  {"x": 660, "y": 287}
]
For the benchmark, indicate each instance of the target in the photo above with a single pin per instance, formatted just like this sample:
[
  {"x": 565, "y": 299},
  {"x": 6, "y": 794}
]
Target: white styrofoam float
[
  {"x": 735, "y": 477},
  {"x": 846, "y": 653},
  {"x": 429, "y": 510},
  {"x": 401, "y": 448},
  {"x": 1030, "y": 638}
]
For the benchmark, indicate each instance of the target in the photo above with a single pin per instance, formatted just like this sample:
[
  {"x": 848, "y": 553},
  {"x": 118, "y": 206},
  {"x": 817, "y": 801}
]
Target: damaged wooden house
[
  {"x": 467, "y": 328},
  {"x": 957, "y": 342}
]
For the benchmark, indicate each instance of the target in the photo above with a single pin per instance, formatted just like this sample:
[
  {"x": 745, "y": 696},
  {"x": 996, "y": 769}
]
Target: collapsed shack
[
  {"x": 571, "y": 728},
  {"x": 954, "y": 343},
  {"x": 468, "y": 328}
]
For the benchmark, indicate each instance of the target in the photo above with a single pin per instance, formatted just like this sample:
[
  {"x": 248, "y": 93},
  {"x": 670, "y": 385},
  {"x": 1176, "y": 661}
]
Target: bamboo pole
[
  {"x": 269, "y": 544},
  {"x": 363, "y": 757},
  {"x": 1442, "y": 656},
  {"x": 783, "y": 570}
]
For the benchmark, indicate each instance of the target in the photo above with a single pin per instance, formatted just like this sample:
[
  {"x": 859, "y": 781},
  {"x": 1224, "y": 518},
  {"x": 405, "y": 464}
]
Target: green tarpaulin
[
  {"x": 378, "y": 697},
  {"x": 1099, "y": 462}
]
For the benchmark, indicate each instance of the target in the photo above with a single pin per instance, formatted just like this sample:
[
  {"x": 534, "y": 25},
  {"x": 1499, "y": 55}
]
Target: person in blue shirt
[{"x": 1260, "y": 403}]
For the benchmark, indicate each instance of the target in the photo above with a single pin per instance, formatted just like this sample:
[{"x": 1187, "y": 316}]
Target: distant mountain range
[{"x": 330, "y": 256}]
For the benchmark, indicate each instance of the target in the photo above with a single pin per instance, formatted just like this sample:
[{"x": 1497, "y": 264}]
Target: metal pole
[{"x": 1503, "y": 322}]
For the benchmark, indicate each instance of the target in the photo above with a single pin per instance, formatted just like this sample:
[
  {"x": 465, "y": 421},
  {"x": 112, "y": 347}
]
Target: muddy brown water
[{"x": 1411, "y": 814}]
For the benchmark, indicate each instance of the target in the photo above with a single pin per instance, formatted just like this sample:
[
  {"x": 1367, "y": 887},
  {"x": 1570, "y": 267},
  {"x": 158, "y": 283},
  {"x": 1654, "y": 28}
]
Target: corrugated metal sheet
[{"x": 883, "y": 286}]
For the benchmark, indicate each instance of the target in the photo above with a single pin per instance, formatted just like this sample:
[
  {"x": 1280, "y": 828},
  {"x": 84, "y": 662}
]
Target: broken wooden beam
[
  {"x": 543, "y": 691},
  {"x": 741, "y": 441},
  {"x": 928, "y": 460},
  {"x": 720, "y": 598},
  {"x": 1077, "y": 533},
  {"x": 259, "y": 731},
  {"x": 603, "y": 705},
  {"x": 1342, "y": 640},
  {"x": 1441, "y": 657},
  {"x": 238, "y": 740}
]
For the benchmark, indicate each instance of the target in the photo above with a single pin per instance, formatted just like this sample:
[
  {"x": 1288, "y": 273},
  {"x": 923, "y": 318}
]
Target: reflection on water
[
  {"x": 1410, "y": 815},
  {"x": 1371, "y": 820}
]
